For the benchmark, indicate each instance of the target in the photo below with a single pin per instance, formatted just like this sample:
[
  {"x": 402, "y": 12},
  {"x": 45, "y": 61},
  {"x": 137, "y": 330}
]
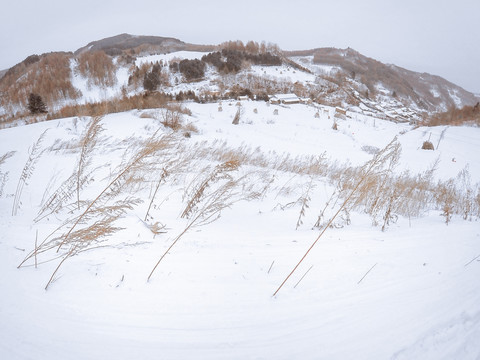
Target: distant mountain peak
[{"x": 118, "y": 43}]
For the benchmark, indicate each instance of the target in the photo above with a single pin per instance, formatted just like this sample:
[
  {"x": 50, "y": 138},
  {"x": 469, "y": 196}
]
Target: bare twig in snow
[{"x": 366, "y": 273}]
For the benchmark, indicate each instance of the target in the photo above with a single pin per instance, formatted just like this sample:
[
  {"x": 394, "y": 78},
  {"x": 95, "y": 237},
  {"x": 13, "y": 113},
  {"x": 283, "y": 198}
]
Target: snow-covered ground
[
  {"x": 283, "y": 72},
  {"x": 180, "y": 55},
  {"x": 411, "y": 292}
]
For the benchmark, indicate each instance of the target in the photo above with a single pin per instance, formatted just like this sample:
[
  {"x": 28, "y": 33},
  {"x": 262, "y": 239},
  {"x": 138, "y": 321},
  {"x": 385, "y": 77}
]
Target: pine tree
[
  {"x": 151, "y": 81},
  {"x": 36, "y": 104}
]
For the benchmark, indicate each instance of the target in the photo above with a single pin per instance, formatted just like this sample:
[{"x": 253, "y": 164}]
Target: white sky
[{"x": 436, "y": 36}]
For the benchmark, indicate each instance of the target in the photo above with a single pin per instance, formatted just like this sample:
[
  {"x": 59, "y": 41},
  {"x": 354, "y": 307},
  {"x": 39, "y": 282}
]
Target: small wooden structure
[{"x": 284, "y": 99}]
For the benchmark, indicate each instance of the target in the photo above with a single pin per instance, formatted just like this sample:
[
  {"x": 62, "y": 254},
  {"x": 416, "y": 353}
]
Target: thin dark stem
[
  {"x": 475, "y": 258},
  {"x": 155, "y": 193},
  {"x": 271, "y": 267},
  {"x": 166, "y": 252},
  {"x": 36, "y": 240},
  {"x": 366, "y": 273},
  {"x": 310, "y": 268}
]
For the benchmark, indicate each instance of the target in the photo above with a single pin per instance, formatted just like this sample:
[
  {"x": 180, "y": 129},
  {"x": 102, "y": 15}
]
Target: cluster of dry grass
[
  {"x": 141, "y": 101},
  {"x": 89, "y": 222},
  {"x": 215, "y": 177},
  {"x": 212, "y": 191},
  {"x": 383, "y": 193}
]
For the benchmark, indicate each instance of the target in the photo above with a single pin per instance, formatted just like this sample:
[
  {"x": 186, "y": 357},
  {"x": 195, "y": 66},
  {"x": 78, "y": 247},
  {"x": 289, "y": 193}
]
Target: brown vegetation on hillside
[
  {"x": 428, "y": 92},
  {"x": 98, "y": 67},
  {"x": 454, "y": 116},
  {"x": 369, "y": 71},
  {"x": 48, "y": 75},
  {"x": 251, "y": 47},
  {"x": 141, "y": 101}
]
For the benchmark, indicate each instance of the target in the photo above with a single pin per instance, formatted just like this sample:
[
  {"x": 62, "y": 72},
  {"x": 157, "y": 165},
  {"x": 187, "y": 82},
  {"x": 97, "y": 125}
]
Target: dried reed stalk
[
  {"x": 34, "y": 155},
  {"x": 4, "y": 175},
  {"x": 124, "y": 177},
  {"x": 160, "y": 180},
  {"x": 205, "y": 207},
  {"x": 81, "y": 176},
  {"x": 100, "y": 215},
  {"x": 367, "y": 169},
  {"x": 88, "y": 144},
  {"x": 305, "y": 200}
]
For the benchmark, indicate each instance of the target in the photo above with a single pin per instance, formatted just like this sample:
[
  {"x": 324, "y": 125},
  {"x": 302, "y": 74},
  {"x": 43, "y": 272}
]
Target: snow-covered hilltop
[{"x": 115, "y": 67}]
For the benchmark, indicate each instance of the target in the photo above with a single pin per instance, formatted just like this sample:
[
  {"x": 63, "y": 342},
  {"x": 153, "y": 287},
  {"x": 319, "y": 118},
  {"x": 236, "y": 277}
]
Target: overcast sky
[{"x": 436, "y": 36}]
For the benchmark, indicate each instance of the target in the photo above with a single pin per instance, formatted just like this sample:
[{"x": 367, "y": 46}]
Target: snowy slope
[{"x": 411, "y": 292}]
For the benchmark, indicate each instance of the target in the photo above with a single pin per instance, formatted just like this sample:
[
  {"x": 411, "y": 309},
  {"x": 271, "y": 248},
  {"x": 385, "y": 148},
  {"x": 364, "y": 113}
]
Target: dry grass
[
  {"x": 305, "y": 201},
  {"x": 205, "y": 202},
  {"x": 88, "y": 144},
  {"x": 4, "y": 175},
  {"x": 456, "y": 117},
  {"x": 195, "y": 191},
  {"x": 373, "y": 166},
  {"x": 80, "y": 177},
  {"x": 142, "y": 101},
  {"x": 34, "y": 155},
  {"x": 213, "y": 177},
  {"x": 94, "y": 220},
  {"x": 427, "y": 145}
]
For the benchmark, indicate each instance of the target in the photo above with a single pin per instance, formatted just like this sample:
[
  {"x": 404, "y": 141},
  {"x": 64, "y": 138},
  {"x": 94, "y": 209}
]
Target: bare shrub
[
  {"x": 466, "y": 202},
  {"x": 189, "y": 129},
  {"x": 171, "y": 118},
  {"x": 445, "y": 196}
]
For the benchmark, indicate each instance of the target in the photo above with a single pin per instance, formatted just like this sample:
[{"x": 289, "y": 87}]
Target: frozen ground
[{"x": 411, "y": 292}]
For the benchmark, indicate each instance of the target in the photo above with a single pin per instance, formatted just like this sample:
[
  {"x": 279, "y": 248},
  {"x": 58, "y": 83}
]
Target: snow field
[{"x": 408, "y": 293}]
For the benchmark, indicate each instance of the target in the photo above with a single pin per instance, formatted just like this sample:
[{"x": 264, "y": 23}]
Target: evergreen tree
[
  {"x": 151, "y": 81},
  {"x": 36, "y": 104}
]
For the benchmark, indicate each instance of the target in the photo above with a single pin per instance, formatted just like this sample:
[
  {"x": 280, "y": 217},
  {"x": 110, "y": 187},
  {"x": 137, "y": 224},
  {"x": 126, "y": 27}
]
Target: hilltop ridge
[{"x": 118, "y": 66}]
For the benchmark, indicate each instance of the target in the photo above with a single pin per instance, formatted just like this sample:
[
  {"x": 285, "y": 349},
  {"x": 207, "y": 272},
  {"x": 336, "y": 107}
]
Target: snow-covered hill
[
  {"x": 385, "y": 82},
  {"x": 94, "y": 204},
  {"x": 112, "y": 68}
]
